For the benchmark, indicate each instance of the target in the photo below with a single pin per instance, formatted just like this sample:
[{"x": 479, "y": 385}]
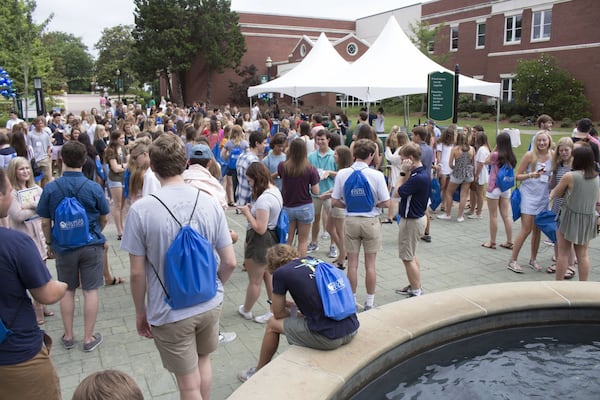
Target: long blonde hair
[
  {"x": 535, "y": 152},
  {"x": 11, "y": 171},
  {"x": 556, "y": 160}
]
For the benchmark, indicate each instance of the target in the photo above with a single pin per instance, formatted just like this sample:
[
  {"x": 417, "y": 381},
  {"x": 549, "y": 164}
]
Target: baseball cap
[{"x": 200, "y": 152}]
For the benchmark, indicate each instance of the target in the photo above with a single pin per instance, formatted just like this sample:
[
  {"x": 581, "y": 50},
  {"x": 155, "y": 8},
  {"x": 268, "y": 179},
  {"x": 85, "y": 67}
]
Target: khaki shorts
[
  {"x": 337, "y": 212},
  {"x": 297, "y": 333},
  {"x": 179, "y": 343},
  {"x": 365, "y": 230},
  {"x": 31, "y": 379},
  {"x": 321, "y": 204},
  {"x": 45, "y": 166},
  {"x": 410, "y": 232}
]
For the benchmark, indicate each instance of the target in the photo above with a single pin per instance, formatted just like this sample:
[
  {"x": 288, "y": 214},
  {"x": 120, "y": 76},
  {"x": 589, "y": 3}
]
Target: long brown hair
[
  {"x": 261, "y": 176},
  {"x": 297, "y": 160}
]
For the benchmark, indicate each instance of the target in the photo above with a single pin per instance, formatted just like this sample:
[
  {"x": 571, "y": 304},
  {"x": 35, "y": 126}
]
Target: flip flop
[
  {"x": 515, "y": 267},
  {"x": 489, "y": 245},
  {"x": 507, "y": 245}
]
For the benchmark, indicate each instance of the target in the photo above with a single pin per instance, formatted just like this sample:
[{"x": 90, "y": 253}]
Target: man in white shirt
[{"x": 13, "y": 119}]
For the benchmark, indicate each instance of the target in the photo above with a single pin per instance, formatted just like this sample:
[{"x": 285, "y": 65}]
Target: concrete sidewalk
[{"x": 453, "y": 259}]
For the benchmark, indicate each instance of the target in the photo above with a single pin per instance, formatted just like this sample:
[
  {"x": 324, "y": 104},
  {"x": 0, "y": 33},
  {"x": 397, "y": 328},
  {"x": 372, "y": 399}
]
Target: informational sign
[
  {"x": 264, "y": 79},
  {"x": 440, "y": 94}
]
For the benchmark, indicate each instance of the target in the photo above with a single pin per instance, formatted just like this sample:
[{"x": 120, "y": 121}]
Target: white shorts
[{"x": 496, "y": 194}]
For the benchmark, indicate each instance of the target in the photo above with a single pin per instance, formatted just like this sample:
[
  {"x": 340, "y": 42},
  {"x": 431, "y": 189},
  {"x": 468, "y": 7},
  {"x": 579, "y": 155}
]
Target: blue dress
[{"x": 535, "y": 194}]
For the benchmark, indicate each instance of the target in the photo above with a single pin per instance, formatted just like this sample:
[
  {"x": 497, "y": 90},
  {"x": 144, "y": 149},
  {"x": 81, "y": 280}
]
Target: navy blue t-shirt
[
  {"x": 414, "y": 194},
  {"x": 299, "y": 280},
  {"x": 91, "y": 197},
  {"x": 21, "y": 268}
]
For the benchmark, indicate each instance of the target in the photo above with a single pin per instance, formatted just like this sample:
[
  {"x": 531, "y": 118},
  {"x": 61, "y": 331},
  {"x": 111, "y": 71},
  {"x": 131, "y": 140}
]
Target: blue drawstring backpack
[
  {"x": 435, "y": 194},
  {"x": 126, "y": 178},
  {"x": 546, "y": 221},
  {"x": 505, "y": 179},
  {"x": 283, "y": 224},
  {"x": 71, "y": 228},
  {"x": 358, "y": 194},
  {"x": 190, "y": 269},
  {"x": 334, "y": 288},
  {"x": 100, "y": 169},
  {"x": 515, "y": 203}
]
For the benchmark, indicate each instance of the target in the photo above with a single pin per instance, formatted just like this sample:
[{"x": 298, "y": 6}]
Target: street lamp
[
  {"x": 269, "y": 64},
  {"x": 118, "y": 84}
]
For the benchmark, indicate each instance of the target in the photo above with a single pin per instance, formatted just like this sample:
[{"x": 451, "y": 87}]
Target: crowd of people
[{"x": 149, "y": 169}]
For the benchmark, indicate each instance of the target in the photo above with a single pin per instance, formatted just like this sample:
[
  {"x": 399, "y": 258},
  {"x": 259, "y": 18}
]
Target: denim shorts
[{"x": 304, "y": 214}]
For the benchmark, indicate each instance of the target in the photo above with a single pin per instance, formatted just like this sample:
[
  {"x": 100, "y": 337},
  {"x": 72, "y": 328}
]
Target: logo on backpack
[
  {"x": 234, "y": 154},
  {"x": 358, "y": 194},
  {"x": 505, "y": 179},
  {"x": 190, "y": 270},
  {"x": 334, "y": 289},
  {"x": 71, "y": 227}
]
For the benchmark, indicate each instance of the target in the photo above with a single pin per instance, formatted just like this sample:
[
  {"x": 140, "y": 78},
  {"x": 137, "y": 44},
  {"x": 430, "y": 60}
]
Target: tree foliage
[
  {"x": 170, "y": 35},
  {"x": 22, "y": 53},
  {"x": 423, "y": 36},
  {"x": 115, "y": 52},
  {"x": 72, "y": 65},
  {"x": 239, "y": 90},
  {"x": 544, "y": 87}
]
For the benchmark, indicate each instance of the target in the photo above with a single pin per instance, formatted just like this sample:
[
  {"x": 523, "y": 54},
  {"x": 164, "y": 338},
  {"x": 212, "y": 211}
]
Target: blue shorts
[{"x": 304, "y": 214}]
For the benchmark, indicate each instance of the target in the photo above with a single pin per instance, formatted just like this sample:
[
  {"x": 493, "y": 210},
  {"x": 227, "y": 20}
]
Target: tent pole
[{"x": 497, "y": 115}]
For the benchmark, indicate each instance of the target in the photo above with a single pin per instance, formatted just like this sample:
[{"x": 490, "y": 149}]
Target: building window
[
  {"x": 541, "y": 24},
  {"x": 507, "y": 89},
  {"x": 454, "y": 38},
  {"x": 431, "y": 46},
  {"x": 352, "y": 49},
  {"x": 302, "y": 50},
  {"x": 512, "y": 29},
  {"x": 480, "y": 40}
]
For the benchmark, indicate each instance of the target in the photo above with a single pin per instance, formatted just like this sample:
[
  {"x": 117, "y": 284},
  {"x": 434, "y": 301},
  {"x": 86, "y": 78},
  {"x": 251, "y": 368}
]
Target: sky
[{"x": 87, "y": 18}]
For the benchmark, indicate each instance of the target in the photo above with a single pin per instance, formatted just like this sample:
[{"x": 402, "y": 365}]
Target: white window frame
[
  {"x": 544, "y": 15},
  {"x": 511, "y": 91},
  {"x": 453, "y": 29},
  {"x": 431, "y": 46},
  {"x": 478, "y": 34},
  {"x": 514, "y": 29}
]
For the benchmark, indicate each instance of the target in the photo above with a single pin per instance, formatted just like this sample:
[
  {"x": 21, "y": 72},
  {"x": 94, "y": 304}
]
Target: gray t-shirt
[
  {"x": 39, "y": 142},
  {"x": 149, "y": 231},
  {"x": 271, "y": 201}
]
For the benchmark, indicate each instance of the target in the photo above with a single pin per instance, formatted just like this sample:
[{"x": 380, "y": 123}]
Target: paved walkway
[{"x": 453, "y": 259}]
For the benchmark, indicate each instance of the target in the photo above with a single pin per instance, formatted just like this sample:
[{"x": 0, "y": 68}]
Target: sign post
[{"x": 440, "y": 96}]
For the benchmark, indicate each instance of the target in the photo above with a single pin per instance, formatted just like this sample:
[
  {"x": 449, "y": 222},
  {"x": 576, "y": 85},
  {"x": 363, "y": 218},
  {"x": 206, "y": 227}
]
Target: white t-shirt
[
  {"x": 445, "y": 158},
  {"x": 270, "y": 200},
  {"x": 376, "y": 180},
  {"x": 482, "y": 154},
  {"x": 149, "y": 231}
]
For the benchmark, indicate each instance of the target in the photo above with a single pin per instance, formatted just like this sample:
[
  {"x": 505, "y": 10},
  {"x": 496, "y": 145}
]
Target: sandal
[
  {"x": 115, "y": 281},
  {"x": 507, "y": 245},
  {"x": 535, "y": 266},
  {"x": 514, "y": 266},
  {"x": 489, "y": 245},
  {"x": 568, "y": 275}
]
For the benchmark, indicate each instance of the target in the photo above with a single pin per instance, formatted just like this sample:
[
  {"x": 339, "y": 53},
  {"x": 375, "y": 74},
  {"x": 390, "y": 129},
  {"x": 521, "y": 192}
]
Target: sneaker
[
  {"x": 246, "y": 315},
  {"x": 262, "y": 319},
  {"x": 333, "y": 253},
  {"x": 404, "y": 290},
  {"x": 367, "y": 308},
  {"x": 91, "y": 346},
  {"x": 426, "y": 238},
  {"x": 67, "y": 344},
  {"x": 444, "y": 216},
  {"x": 475, "y": 216},
  {"x": 325, "y": 236},
  {"x": 415, "y": 293},
  {"x": 227, "y": 337},
  {"x": 246, "y": 374},
  {"x": 312, "y": 247},
  {"x": 460, "y": 219}
]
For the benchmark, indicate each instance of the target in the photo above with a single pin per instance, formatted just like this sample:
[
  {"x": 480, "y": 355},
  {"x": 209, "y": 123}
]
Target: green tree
[
  {"x": 72, "y": 64},
  {"x": 543, "y": 87},
  {"x": 115, "y": 52},
  {"x": 239, "y": 90},
  {"x": 171, "y": 35},
  {"x": 21, "y": 51}
]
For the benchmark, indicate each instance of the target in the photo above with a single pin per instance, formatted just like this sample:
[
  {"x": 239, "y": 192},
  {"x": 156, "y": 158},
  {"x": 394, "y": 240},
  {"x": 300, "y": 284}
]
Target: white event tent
[
  {"x": 391, "y": 67},
  {"x": 310, "y": 75}
]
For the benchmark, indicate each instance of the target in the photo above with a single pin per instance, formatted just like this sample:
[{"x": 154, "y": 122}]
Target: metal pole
[{"x": 455, "y": 105}]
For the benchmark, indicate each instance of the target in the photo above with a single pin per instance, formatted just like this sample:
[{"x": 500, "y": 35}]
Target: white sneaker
[
  {"x": 246, "y": 315},
  {"x": 333, "y": 253},
  {"x": 460, "y": 219},
  {"x": 227, "y": 337},
  {"x": 246, "y": 374},
  {"x": 312, "y": 247},
  {"x": 325, "y": 236},
  {"x": 262, "y": 319},
  {"x": 444, "y": 216}
]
